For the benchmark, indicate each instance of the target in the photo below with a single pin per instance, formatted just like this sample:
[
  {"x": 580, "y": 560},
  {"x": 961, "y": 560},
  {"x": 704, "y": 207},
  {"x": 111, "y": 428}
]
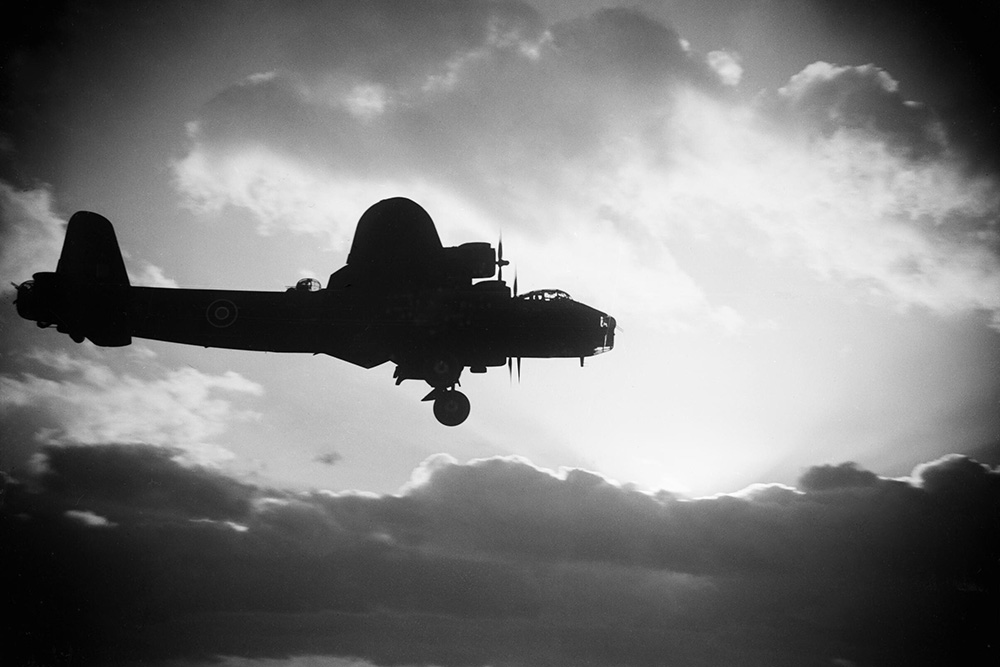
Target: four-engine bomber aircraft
[{"x": 401, "y": 297}]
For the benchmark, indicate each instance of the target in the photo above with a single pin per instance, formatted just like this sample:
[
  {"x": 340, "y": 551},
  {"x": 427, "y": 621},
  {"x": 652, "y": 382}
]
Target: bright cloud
[
  {"x": 726, "y": 65},
  {"x": 88, "y": 402},
  {"x": 89, "y": 519},
  {"x": 31, "y": 233},
  {"x": 845, "y": 205}
]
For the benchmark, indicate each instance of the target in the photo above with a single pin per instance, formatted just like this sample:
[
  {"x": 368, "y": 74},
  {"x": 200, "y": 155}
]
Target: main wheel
[{"x": 451, "y": 408}]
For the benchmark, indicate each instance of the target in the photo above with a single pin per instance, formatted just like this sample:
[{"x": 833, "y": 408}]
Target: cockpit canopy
[
  {"x": 545, "y": 295},
  {"x": 308, "y": 285}
]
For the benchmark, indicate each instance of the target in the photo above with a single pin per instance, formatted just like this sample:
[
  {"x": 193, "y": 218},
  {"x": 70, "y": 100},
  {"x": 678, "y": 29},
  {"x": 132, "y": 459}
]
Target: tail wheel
[{"x": 451, "y": 408}]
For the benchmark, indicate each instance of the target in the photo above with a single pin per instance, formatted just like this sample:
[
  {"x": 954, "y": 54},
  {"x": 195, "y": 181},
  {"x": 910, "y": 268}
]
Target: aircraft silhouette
[{"x": 401, "y": 297}]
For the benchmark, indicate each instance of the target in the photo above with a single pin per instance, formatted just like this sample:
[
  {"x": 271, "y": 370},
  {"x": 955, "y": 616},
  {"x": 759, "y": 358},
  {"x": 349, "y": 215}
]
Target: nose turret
[{"x": 606, "y": 334}]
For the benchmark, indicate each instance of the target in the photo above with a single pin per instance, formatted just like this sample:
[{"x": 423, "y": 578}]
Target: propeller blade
[
  {"x": 510, "y": 369},
  {"x": 519, "y": 370},
  {"x": 501, "y": 262},
  {"x": 515, "y": 282}
]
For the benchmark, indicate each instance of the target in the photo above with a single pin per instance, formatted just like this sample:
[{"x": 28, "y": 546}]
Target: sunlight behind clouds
[
  {"x": 621, "y": 165},
  {"x": 846, "y": 206},
  {"x": 733, "y": 239}
]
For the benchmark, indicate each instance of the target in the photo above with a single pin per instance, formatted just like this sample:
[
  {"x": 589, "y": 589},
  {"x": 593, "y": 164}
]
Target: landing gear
[
  {"x": 451, "y": 407},
  {"x": 443, "y": 372}
]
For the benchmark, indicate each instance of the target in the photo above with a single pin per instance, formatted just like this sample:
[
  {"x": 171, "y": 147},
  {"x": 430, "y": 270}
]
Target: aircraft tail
[
  {"x": 88, "y": 294},
  {"x": 90, "y": 254}
]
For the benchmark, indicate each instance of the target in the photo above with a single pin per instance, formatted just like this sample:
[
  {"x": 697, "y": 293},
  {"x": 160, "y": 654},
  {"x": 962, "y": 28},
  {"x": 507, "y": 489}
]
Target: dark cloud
[
  {"x": 329, "y": 458},
  {"x": 125, "y": 481},
  {"x": 626, "y": 43},
  {"x": 119, "y": 554},
  {"x": 491, "y": 103},
  {"x": 945, "y": 49},
  {"x": 824, "y": 98},
  {"x": 392, "y": 41},
  {"x": 831, "y": 478}
]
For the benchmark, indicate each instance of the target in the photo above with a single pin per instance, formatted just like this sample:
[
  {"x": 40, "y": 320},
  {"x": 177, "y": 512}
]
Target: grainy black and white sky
[{"x": 792, "y": 208}]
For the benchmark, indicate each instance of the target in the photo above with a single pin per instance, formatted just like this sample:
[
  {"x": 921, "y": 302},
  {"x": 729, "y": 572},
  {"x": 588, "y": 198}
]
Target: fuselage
[{"x": 481, "y": 325}]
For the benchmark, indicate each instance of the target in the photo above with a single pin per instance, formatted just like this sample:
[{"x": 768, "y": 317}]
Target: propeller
[
  {"x": 501, "y": 262},
  {"x": 510, "y": 369}
]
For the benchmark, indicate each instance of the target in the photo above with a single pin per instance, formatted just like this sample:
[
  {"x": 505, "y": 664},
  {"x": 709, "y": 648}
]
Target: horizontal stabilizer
[{"x": 90, "y": 253}]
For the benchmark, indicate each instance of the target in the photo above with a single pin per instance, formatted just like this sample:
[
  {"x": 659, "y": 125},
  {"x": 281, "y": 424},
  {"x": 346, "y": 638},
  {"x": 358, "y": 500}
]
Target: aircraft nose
[{"x": 606, "y": 333}]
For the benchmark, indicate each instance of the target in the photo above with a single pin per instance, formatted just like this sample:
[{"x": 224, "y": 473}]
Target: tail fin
[
  {"x": 90, "y": 253},
  {"x": 94, "y": 283}
]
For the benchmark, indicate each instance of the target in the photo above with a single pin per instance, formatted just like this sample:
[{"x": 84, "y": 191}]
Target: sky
[{"x": 792, "y": 209}]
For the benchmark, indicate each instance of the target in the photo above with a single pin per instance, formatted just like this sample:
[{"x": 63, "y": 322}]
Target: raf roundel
[{"x": 221, "y": 313}]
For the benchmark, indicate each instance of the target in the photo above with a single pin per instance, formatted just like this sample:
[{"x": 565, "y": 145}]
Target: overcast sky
[{"x": 791, "y": 208}]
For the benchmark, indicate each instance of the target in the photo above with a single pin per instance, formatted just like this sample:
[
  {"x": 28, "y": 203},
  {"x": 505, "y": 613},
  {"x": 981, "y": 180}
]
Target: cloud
[
  {"x": 274, "y": 143},
  {"x": 151, "y": 275},
  {"x": 942, "y": 49},
  {"x": 505, "y": 113},
  {"x": 86, "y": 401},
  {"x": 329, "y": 458},
  {"x": 825, "y": 98},
  {"x": 89, "y": 519},
  {"x": 31, "y": 233},
  {"x": 726, "y": 65},
  {"x": 843, "y": 476},
  {"x": 31, "y": 237},
  {"x": 610, "y": 124},
  {"x": 846, "y": 199},
  {"x": 498, "y": 560}
]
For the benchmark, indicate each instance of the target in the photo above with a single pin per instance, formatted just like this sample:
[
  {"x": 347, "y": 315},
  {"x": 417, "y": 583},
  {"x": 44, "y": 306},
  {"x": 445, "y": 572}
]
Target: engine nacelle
[{"x": 472, "y": 260}]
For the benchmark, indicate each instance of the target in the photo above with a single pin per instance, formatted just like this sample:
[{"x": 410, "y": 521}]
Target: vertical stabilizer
[
  {"x": 90, "y": 253},
  {"x": 88, "y": 295}
]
